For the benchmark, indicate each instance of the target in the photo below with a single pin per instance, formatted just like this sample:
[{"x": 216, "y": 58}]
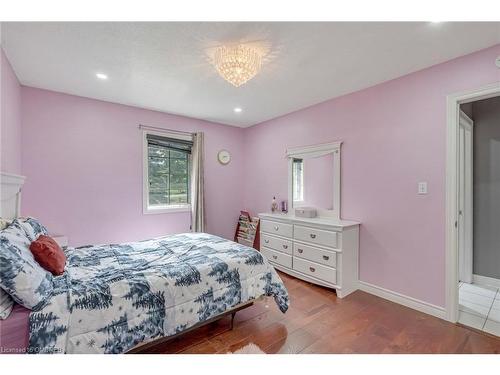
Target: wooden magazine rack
[{"x": 248, "y": 230}]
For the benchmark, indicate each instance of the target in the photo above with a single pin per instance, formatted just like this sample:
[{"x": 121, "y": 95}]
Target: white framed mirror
[{"x": 314, "y": 178}]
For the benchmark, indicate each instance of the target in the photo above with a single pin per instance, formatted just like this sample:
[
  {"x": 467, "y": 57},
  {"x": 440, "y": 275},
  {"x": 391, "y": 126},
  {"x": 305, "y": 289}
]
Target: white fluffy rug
[
  {"x": 254, "y": 349},
  {"x": 249, "y": 349}
]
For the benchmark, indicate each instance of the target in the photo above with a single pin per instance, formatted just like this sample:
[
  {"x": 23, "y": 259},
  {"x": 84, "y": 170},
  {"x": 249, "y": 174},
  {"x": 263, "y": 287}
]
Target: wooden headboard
[{"x": 10, "y": 195}]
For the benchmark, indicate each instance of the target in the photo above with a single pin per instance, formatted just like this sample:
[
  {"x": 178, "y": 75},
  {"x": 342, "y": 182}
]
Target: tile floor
[{"x": 480, "y": 307}]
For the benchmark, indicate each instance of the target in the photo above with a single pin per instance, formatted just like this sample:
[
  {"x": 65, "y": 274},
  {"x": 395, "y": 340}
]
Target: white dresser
[{"x": 322, "y": 251}]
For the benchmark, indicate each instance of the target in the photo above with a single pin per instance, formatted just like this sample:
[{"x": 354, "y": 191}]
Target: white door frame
[
  {"x": 465, "y": 218},
  {"x": 453, "y": 110}
]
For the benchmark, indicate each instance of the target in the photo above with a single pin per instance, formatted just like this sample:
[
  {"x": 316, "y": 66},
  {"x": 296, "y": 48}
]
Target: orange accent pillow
[{"x": 49, "y": 254}]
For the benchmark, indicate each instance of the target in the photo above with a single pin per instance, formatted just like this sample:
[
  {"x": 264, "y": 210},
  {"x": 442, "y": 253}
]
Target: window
[
  {"x": 298, "y": 180},
  {"x": 167, "y": 176}
]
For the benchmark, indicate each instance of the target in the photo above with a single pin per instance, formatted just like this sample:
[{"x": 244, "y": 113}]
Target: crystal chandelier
[{"x": 237, "y": 64}]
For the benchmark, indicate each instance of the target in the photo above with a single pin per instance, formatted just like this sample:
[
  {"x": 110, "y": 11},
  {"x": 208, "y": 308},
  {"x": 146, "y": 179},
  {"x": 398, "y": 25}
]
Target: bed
[
  {"x": 114, "y": 298},
  {"x": 14, "y": 331}
]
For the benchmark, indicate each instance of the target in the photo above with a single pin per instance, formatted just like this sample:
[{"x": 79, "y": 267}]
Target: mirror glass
[{"x": 312, "y": 182}]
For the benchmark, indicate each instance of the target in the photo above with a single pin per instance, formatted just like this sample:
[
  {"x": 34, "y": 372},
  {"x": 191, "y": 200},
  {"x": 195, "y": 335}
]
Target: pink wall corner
[
  {"x": 10, "y": 129},
  {"x": 83, "y": 162},
  {"x": 394, "y": 135}
]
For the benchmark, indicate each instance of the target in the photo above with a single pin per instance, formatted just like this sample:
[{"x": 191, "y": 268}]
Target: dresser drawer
[
  {"x": 315, "y": 270},
  {"x": 276, "y": 243},
  {"x": 277, "y": 257},
  {"x": 274, "y": 227},
  {"x": 328, "y": 258},
  {"x": 317, "y": 236}
]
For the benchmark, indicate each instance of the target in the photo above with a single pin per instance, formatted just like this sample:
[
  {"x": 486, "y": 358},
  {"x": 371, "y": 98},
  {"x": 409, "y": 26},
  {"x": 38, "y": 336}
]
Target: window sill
[{"x": 166, "y": 209}]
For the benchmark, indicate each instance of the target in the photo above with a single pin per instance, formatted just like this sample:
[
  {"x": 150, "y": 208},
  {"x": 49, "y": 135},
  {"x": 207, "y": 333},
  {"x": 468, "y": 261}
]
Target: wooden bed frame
[{"x": 143, "y": 347}]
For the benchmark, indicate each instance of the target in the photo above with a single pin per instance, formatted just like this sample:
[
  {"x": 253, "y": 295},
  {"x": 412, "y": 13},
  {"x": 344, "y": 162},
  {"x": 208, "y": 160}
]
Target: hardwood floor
[{"x": 319, "y": 322}]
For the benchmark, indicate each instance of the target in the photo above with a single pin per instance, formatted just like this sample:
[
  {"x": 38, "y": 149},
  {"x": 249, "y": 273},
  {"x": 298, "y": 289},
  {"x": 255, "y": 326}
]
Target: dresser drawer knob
[
  {"x": 266, "y": 241},
  {"x": 276, "y": 227},
  {"x": 312, "y": 269},
  {"x": 285, "y": 246},
  {"x": 326, "y": 257},
  {"x": 275, "y": 257},
  {"x": 300, "y": 251},
  {"x": 313, "y": 235}
]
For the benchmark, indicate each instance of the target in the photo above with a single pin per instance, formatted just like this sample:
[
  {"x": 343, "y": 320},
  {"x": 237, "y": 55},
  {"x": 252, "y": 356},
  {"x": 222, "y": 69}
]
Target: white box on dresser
[{"x": 321, "y": 250}]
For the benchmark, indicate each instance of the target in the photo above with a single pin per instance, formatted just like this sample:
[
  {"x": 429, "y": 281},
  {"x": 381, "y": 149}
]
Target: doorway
[
  {"x": 473, "y": 204},
  {"x": 465, "y": 189}
]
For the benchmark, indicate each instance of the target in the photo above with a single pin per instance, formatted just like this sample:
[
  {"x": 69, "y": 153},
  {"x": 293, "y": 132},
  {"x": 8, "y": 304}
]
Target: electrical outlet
[{"x": 422, "y": 187}]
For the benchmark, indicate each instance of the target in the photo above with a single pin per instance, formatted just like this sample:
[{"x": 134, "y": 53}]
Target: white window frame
[{"x": 146, "y": 208}]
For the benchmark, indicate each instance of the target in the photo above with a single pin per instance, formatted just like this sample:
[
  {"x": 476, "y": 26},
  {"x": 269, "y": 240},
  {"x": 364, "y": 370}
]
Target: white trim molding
[
  {"x": 486, "y": 281},
  {"x": 412, "y": 303},
  {"x": 466, "y": 198},
  {"x": 10, "y": 194},
  {"x": 12, "y": 179},
  {"x": 313, "y": 150},
  {"x": 452, "y": 130}
]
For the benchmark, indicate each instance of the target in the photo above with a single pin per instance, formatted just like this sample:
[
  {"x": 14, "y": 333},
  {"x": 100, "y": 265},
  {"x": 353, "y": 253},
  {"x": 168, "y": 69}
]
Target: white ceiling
[{"x": 166, "y": 66}]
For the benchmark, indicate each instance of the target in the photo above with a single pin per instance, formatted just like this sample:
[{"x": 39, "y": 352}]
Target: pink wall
[
  {"x": 394, "y": 136},
  {"x": 83, "y": 162},
  {"x": 10, "y": 129}
]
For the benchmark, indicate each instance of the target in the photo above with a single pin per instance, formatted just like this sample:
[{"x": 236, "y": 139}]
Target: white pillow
[
  {"x": 4, "y": 223},
  {"x": 32, "y": 227},
  {"x": 6, "y": 304},
  {"x": 20, "y": 275}
]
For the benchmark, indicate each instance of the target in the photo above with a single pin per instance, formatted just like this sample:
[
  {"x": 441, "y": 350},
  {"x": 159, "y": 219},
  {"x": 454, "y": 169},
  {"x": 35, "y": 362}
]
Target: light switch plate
[{"x": 422, "y": 187}]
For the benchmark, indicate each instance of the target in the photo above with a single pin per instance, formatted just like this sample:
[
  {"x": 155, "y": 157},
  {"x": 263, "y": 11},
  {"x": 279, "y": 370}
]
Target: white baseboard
[
  {"x": 487, "y": 281},
  {"x": 410, "y": 302}
]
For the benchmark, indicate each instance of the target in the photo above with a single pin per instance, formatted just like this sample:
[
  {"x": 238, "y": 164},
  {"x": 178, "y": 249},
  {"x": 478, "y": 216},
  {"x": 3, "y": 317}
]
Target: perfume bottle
[{"x": 274, "y": 205}]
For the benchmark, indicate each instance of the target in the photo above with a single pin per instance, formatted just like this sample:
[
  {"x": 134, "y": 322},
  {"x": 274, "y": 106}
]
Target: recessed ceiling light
[
  {"x": 436, "y": 21},
  {"x": 101, "y": 76},
  {"x": 238, "y": 110}
]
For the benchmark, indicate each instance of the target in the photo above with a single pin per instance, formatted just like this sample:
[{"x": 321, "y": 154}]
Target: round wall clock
[{"x": 224, "y": 157}]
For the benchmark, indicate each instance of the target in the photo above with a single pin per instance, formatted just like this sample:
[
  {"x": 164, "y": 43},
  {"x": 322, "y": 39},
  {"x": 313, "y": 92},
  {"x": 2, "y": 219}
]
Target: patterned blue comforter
[{"x": 113, "y": 297}]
